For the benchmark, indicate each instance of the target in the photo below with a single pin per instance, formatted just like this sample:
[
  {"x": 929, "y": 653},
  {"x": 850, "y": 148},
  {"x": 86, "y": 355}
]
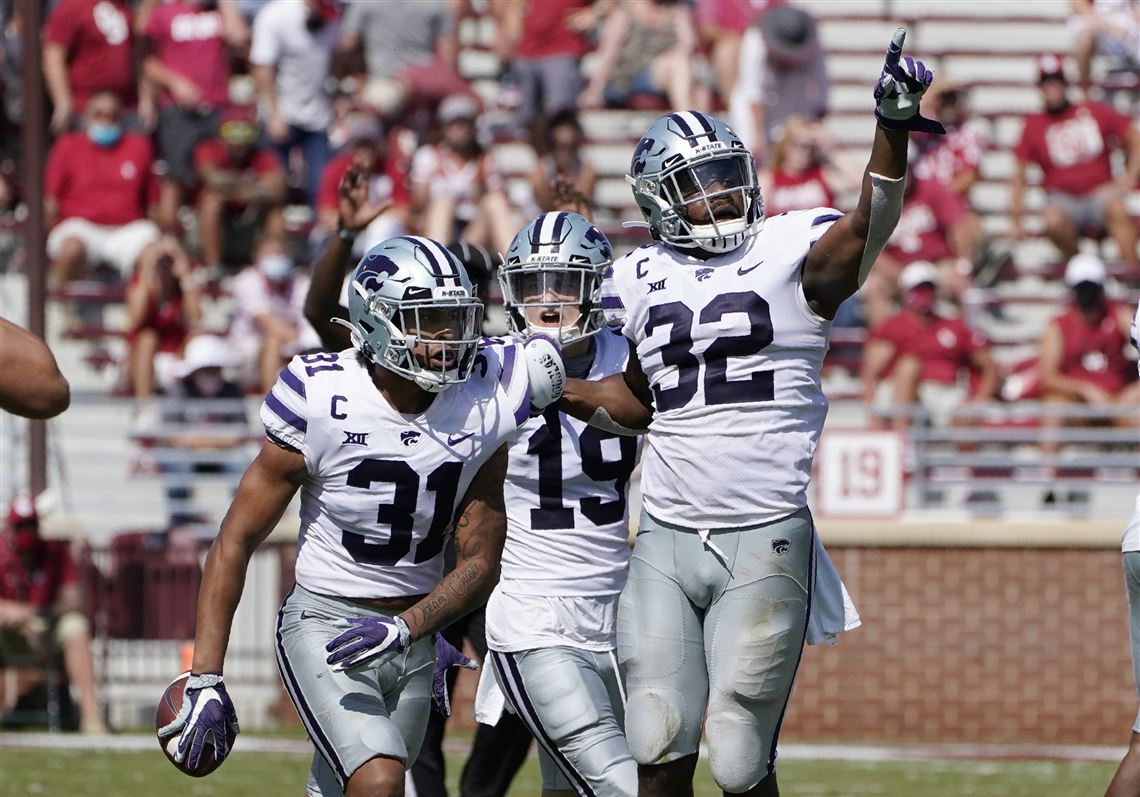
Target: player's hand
[
  {"x": 207, "y": 715},
  {"x": 354, "y": 211},
  {"x": 900, "y": 87},
  {"x": 366, "y": 639},
  {"x": 546, "y": 369},
  {"x": 446, "y": 657}
]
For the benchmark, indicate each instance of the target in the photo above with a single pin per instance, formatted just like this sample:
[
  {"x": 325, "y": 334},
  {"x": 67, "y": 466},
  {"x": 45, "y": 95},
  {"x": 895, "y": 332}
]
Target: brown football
[{"x": 168, "y": 708}]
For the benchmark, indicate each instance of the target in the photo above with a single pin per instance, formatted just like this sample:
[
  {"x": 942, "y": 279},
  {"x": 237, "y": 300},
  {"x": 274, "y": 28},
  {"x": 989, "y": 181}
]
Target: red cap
[
  {"x": 1050, "y": 67},
  {"x": 22, "y": 510}
]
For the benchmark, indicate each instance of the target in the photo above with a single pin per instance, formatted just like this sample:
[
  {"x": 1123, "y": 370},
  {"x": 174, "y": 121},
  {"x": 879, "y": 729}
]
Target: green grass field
[{"x": 141, "y": 774}]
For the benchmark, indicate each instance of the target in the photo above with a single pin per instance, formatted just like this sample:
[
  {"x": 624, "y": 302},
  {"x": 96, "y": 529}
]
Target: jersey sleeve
[
  {"x": 506, "y": 364},
  {"x": 613, "y": 308},
  {"x": 284, "y": 413}
]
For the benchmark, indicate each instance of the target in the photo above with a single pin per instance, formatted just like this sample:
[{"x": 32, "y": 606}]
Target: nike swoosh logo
[
  {"x": 456, "y": 439},
  {"x": 742, "y": 270}
]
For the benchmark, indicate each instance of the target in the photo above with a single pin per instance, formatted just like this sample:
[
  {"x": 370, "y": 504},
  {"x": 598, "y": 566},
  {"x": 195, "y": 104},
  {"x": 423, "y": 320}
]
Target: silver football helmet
[
  {"x": 695, "y": 183},
  {"x": 552, "y": 277},
  {"x": 412, "y": 310}
]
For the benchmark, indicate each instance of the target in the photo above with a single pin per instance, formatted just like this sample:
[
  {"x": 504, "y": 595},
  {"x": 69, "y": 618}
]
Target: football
[{"x": 168, "y": 708}]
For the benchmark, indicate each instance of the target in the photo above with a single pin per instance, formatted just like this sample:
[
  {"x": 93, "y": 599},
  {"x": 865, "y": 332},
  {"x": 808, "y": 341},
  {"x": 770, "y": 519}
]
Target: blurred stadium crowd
[{"x": 199, "y": 145}]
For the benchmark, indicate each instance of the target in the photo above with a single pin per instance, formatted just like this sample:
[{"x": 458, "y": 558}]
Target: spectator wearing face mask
[
  {"x": 242, "y": 189},
  {"x": 41, "y": 606},
  {"x": 1082, "y": 351},
  {"x": 204, "y": 419},
  {"x": 99, "y": 187},
  {"x": 270, "y": 327},
  {"x": 918, "y": 354},
  {"x": 457, "y": 192},
  {"x": 1071, "y": 145}
]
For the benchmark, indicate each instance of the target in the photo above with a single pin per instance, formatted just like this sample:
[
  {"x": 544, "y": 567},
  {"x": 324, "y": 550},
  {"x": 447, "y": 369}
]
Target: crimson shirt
[
  {"x": 40, "y": 584},
  {"x": 545, "y": 33},
  {"x": 188, "y": 41},
  {"x": 797, "y": 192},
  {"x": 1094, "y": 353},
  {"x": 96, "y": 36},
  {"x": 944, "y": 346},
  {"x": 1072, "y": 148},
  {"x": 213, "y": 152},
  {"x": 928, "y": 213},
  {"x": 105, "y": 185},
  {"x": 391, "y": 183}
]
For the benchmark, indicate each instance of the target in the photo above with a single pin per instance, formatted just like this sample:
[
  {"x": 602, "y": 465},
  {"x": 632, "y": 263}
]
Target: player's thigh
[
  {"x": 1132, "y": 583},
  {"x": 565, "y": 696},
  {"x": 350, "y": 717},
  {"x": 661, "y": 653},
  {"x": 754, "y": 635}
]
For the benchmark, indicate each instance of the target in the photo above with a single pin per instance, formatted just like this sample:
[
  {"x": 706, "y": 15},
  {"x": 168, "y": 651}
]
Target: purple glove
[
  {"x": 366, "y": 639},
  {"x": 900, "y": 87},
  {"x": 207, "y": 713},
  {"x": 446, "y": 657}
]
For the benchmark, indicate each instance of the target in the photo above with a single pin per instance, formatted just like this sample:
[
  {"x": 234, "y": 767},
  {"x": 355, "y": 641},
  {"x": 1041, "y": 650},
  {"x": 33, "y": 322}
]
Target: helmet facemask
[
  {"x": 430, "y": 340},
  {"x": 710, "y": 202},
  {"x": 553, "y": 298}
]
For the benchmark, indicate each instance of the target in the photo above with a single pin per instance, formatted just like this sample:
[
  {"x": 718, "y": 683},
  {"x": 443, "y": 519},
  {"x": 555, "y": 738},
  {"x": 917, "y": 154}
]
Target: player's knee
[
  {"x": 653, "y": 725},
  {"x": 380, "y": 777},
  {"x": 738, "y": 769}
]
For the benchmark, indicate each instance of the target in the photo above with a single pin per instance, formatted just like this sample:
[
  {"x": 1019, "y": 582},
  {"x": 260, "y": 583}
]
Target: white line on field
[{"x": 788, "y": 752}]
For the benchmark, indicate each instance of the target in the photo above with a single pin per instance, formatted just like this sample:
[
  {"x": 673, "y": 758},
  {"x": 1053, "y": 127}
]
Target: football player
[
  {"x": 393, "y": 443},
  {"x": 551, "y": 619},
  {"x": 730, "y": 315},
  {"x": 1126, "y": 781}
]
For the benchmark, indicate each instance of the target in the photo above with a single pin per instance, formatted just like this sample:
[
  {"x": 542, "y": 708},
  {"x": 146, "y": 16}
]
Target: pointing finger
[{"x": 895, "y": 50}]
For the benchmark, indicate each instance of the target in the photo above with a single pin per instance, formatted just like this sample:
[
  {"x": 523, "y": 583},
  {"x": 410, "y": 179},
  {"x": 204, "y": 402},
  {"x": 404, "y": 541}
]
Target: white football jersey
[
  {"x": 733, "y": 354},
  {"x": 382, "y": 488},
  {"x": 566, "y": 490}
]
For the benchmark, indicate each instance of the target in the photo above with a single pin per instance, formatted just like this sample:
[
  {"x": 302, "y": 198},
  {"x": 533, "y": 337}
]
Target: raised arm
[
  {"x": 30, "y": 382},
  {"x": 840, "y": 261},
  {"x": 354, "y": 213}
]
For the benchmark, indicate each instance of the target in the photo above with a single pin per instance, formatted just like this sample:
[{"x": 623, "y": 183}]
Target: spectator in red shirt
[
  {"x": 242, "y": 189},
  {"x": 1072, "y": 146},
  {"x": 921, "y": 355},
  {"x": 544, "y": 41},
  {"x": 1082, "y": 351},
  {"x": 41, "y": 606},
  {"x": 163, "y": 305},
  {"x": 188, "y": 63},
  {"x": 87, "y": 48},
  {"x": 367, "y": 147},
  {"x": 98, "y": 189},
  {"x": 808, "y": 169},
  {"x": 955, "y": 158}
]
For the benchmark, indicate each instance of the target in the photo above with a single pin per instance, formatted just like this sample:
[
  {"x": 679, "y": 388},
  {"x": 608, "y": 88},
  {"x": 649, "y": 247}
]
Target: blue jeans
[{"x": 314, "y": 145}]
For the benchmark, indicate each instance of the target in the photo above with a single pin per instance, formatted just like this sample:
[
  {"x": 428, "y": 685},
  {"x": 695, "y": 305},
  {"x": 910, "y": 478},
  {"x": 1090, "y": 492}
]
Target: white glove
[{"x": 546, "y": 369}]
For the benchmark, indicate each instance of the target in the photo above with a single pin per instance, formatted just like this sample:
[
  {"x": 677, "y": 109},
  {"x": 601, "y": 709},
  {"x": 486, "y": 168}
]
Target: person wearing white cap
[
  {"x": 205, "y": 414},
  {"x": 1081, "y": 355},
  {"x": 1072, "y": 145},
  {"x": 920, "y": 355},
  {"x": 457, "y": 192}
]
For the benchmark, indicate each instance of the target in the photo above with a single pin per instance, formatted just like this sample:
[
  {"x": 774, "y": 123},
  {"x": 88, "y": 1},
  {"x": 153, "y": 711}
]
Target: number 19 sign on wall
[{"x": 859, "y": 473}]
